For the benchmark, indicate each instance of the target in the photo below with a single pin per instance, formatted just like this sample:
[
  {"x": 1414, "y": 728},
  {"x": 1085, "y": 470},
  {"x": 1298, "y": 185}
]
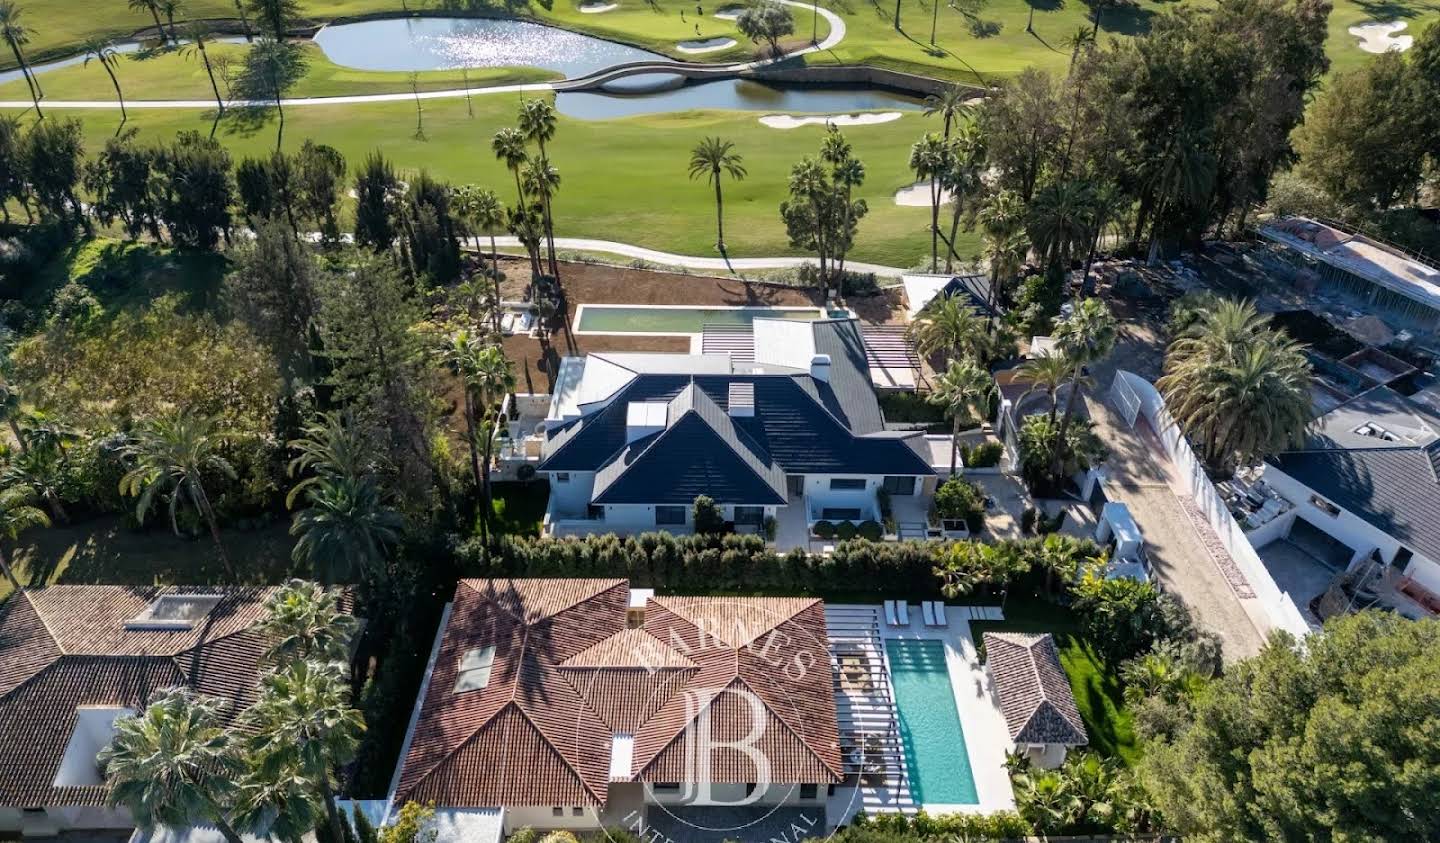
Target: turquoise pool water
[
  {"x": 677, "y": 320},
  {"x": 935, "y": 750}
]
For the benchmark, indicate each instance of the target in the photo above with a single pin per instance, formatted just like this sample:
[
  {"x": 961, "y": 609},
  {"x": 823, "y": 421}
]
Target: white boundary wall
[{"x": 1280, "y": 609}]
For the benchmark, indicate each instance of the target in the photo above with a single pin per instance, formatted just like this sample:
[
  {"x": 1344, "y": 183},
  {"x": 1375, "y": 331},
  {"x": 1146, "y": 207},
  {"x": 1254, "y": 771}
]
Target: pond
[
  {"x": 732, "y": 94},
  {"x": 451, "y": 43}
]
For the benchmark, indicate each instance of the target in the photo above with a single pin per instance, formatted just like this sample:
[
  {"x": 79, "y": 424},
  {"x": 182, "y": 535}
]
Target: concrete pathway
[
  {"x": 837, "y": 34},
  {"x": 694, "y": 261}
]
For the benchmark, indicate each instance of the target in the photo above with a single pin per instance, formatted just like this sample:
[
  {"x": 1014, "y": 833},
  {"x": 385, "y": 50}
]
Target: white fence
[
  {"x": 1279, "y": 607},
  {"x": 1122, "y": 394}
]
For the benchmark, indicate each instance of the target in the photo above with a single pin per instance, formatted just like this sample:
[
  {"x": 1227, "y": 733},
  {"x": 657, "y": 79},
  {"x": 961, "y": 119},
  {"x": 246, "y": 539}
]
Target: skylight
[
  {"x": 475, "y": 669},
  {"x": 175, "y": 611}
]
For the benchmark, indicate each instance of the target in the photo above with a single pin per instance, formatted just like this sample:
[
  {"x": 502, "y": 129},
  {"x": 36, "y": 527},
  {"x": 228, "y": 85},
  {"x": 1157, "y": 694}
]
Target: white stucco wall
[
  {"x": 573, "y": 498},
  {"x": 734, "y": 794},
  {"x": 1357, "y": 534},
  {"x": 542, "y": 816}
]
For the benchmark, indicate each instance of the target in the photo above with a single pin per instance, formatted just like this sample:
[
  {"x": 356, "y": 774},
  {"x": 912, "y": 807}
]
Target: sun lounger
[
  {"x": 890, "y": 613},
  {"x": 902, "y": 612},
  {"x": 928, "y": 612},
  {"x": 938, "y": 610}
]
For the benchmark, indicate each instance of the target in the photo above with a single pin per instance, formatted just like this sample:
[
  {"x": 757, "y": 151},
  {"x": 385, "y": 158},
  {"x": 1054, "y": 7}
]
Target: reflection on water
[
  {"x": 733, "y": 94},
  {"x": 446, "y": 43}
]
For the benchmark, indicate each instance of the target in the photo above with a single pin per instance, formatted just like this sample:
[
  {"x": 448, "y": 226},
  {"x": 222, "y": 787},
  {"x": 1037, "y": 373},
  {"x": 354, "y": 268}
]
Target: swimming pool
[
  {"x": 671, "y": 320},
  {"x": 935, "y": 751}
]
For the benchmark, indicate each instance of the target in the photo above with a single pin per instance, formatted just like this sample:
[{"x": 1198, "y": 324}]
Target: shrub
[
  {"x": 984, "y": 455},
  {"x": 824, "y": 529},
  {"x": 959, "y": 498},
  {"x": 1123, "y": 616},
  {"x": 770, "y": 526},
  {"x": 1002, "y": 825},
  {"x": 1027, "y": 520},
  {"x": 709, "y": 521},
  {"x": 871, "y": 530},
  {"x": 845, "y": 531}
]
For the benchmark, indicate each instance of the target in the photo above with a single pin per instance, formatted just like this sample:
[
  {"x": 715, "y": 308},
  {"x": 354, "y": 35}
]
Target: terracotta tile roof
[
  {"x": 64, "y": 647},
  {"x": 1034, "y": 691},
  {"x": 571, "y": 674}
]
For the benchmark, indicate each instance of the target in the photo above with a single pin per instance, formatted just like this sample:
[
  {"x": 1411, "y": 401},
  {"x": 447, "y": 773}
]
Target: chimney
[
  {"x": 820, "y": 367},
  {"x": 643, "y": 418}
]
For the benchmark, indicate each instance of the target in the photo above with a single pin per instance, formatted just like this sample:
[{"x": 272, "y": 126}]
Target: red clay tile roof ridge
[
  {"x": 601, "y": 586},
  {"x": 679, "y": 605},
  {"x": 828, "y": 764},
  {"x": 59, "y": 644},
  {"x": 608, "y": 654}
]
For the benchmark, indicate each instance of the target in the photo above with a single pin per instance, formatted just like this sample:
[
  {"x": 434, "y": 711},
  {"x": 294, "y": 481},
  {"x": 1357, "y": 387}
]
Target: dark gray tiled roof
[
  {"x": 700, "y": 452},
  {"x": 1034, "y": 691},
  {"x": 1392, "y": 489}
]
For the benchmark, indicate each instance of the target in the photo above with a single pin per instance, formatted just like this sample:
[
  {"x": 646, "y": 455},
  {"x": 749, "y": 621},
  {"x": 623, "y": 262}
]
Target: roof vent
[
  {"x": 741, "y": 400},
  {"x": 1375, "y": 431},
  {"x": 175, "y": 612},
  {"x": 820, "y": 367},
  {"x": 475, "y": 669},
  {"x": 643, "y": 418}
]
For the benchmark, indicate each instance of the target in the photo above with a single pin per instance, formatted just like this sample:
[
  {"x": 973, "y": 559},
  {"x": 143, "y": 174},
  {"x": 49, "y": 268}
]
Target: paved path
[
  {"x": 693, "y": 261},
  {"x": 837, "y": 33}
]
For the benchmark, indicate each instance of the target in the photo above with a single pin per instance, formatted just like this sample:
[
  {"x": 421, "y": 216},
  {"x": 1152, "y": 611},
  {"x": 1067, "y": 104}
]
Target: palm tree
[
  {"x": 47, "y": 431},
  {"x": 527, "y": 223},
  {"x": 464, "y": 354},
  {"x": 174, "y": 763},
  {"x": 486, "y": 376},
  {"x": 1084, "y": 337},
  {"x": 1182, "y": 170},
  {"x": 1059, "y": 218},
  {"x": 537, "y": 123},
  {"x": 330, "y": 446},
  {"x": 1047, "y": 374},
  {"x": 847, "y": 173},
  {"x": 17, "y": 514},
  {"x": 38, "y": 469},
  {"x": 153, "y": 7},
  {"x": 488, "y": 212},
  {"x": 343, "y": 532},
  {"x": 1082, "y": 37},
  {"x": 305, "y": 623},
  {"x": 303, "y": 721},
  {"x": 172, "y": 454},
  {"x": 10, "y": 411},
  {"x": 244, "y": 20},
  {"x": 17, "y": 35},
  {"x": 103, "y": 50},
  {"x": 711, "y": 158},
  {"x": 509, "y": 148},
  {"x": 170, "y": 8},
  {"x": 951, "y": 103},
  {"x": 928, "y": 158},
  {"x": 964, "y": 391},
  {"x": 949, "y": 327},
  {"x": 281, "y": 803},
  {"x": 1005, "y": 252},
  {"x": 198, "y": 36},
  {"x": 962, "y": 179}
]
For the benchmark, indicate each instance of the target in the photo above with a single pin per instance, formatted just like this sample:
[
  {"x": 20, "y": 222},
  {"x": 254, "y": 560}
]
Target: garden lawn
[
  {"x": 620, "y": 179},
  {"x": 103, "y": 550},
  {"x": 991, "y": 44},
  {"x": 519, "y": 507},
  {"x": 167, "y": 74},
  {"x": 1098, "y": 692}
]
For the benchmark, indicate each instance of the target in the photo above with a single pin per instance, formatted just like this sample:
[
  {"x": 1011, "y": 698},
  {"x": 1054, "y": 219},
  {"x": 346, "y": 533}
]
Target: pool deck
[{"x": 987, "y": 738}]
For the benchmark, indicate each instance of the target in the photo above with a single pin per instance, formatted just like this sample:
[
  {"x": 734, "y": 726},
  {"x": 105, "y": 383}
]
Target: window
[
  {"x": 900, "y": 485},
  {"x": 830, "y": 790},
  {"x": 1402, "y": 558},
  {"x": 749, "y": 788},
  {"x": 750, "y": 515},
  {"x": 595, "y": 512},
  {"x": 175, "y": 611},
  {"x": 809, "y": 791},
  {"x": 839, "y": 513},
  {"x": 847, "y": 484},
  {"x": 669, "y": 516},
  {"x": 557, "y": 811},
  {"x": 577, "y": 811},
  {"x": 562, "y": 477},
  {"x": 475, "y": 669},
  {"x": 666, "y": 787}
]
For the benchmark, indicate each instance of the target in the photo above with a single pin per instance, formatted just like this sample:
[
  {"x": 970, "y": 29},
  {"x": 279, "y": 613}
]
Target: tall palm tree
[
  {"x": 303, "y": 721},
  {"x": 928, "y": 159},
  {"x": 1084, "y": 337},
  {"x": 537, "y": 122},
  {"x": 330, "y": 446},
  {"x": 277, "y": 804},
  {"x": 103, "y": 51},
  {"x": 527, "y": 222},
  {"x": 949, "y": 327},
  {"x": 711, "y": 158},
  {"x": 1059, "y": 217},
  {"x": 487, "y": 212},
  {"x": 464, "y": 354},
  {"x": 343, "y": 532},
  {"x": 304, "y": 622},
  {"x": 17, "y": 514},
  {"x": 198, "y": 36},
  {"x": 509, "y": 148},
  {"x": 962, "y": 179},
  {"x": 174, "y": 764},
  {"x": 1047, "y": 374},
  {"x": 486, "y": 375},
  {"x": 17, "y": 35},
  {"x": 39, "y": 470},
  {"x": 847, "y": 173},
  {"x": 1106, "y": 203},
  {"x": 1082, "y": 37},
  {"x": 1182, "y": 170},
  {"x": 153, "y": 7},
  {"x": 170, "y": 8},
  {"x": 11, "y": 410},
  {"x": 951, "y": 103},
  {"x": 964, "y": 391},
  {"x": 1005, "y": 252},
  {"x": 171, "y": 455}
]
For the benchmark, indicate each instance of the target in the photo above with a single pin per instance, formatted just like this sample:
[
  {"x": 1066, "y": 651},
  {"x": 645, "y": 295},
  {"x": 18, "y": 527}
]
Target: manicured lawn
[
  {"x": 621, "y": 179},
  {"x": 994, "y": 43},
  {"x": 520, "y": 507},
  {"x": 167, "y": 74},
  {"x": 102, "y": 550},
  {"x": 1098, "y": 692}
]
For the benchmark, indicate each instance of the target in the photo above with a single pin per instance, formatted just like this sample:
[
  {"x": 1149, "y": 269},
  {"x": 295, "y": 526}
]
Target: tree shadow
[
  {"x": 1129, "y": 19},
  {"x": 1388, "y": 10},
  {"x": 246, "y": 120}
]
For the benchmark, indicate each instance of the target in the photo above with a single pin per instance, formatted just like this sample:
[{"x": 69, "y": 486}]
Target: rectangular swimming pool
[
  {"x": 664, "y": 319},
  {"x": 935, "y": 751}
]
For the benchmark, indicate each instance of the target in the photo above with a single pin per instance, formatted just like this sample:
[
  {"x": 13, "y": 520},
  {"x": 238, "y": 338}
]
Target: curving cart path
[
  {"x": 695, "y": 262},
  {"x": 837, "y": 33}
]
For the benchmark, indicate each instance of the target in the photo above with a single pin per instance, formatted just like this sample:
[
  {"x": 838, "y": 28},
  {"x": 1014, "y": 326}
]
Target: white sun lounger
[
  {"x": 902, "y": 612},
  {"x": 890, "y": 613},
  {"x": 937, "y": 609},
  {"x": 928, "y": 612}
]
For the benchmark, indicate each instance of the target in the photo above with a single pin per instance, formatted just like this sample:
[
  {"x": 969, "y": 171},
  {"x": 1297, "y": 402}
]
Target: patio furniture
[
  {"x": 902, "y": 613},
  {"x": 928, "y": 612},
  {"x": 937, "y": 609},
  {"x": 890, "y": 613}
]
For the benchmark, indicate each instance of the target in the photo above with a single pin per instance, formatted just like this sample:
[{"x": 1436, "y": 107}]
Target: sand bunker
[
  {"x": 787, "y": 121},
  {"x": 917, "y": 195},
  {"x": 730, "y": 13},
  {"x": 1378, "y": 37},
  {"x": 705, "y": 45},
  {"x": 597, "y": 8}
]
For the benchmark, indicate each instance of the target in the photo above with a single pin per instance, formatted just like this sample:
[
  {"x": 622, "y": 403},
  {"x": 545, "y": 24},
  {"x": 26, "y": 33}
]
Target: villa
[
  {"x": 791, "y": 431},
  {"x": 74, "y": 658}
]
